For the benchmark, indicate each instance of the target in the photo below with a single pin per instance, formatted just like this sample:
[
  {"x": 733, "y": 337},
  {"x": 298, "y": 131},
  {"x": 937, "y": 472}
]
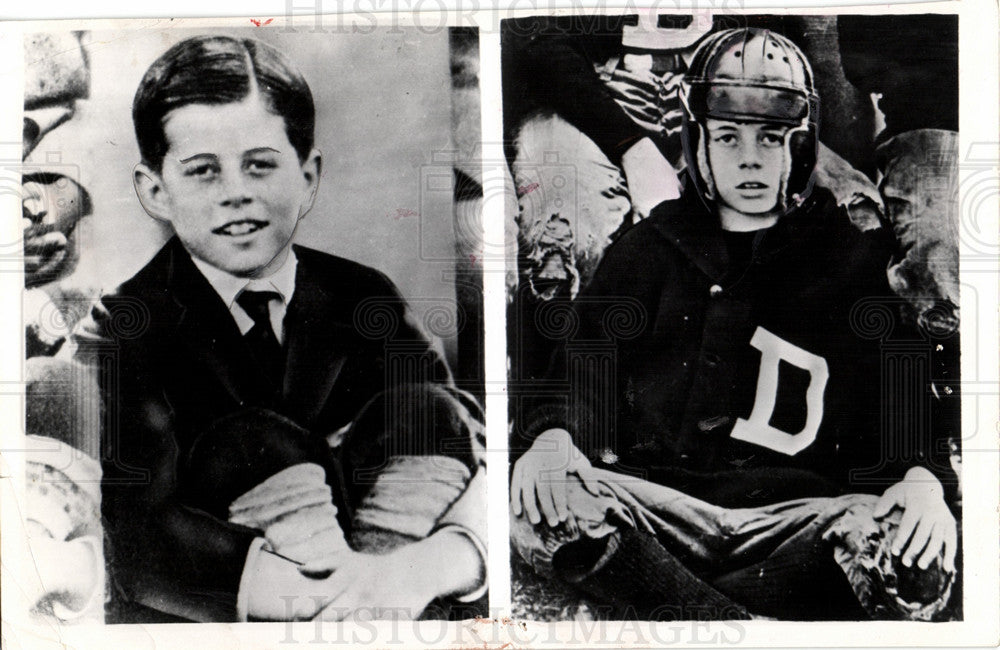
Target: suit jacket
[{"x": 172, "y": 360}]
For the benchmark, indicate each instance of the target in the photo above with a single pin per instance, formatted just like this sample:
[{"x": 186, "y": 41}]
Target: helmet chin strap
[
  {"x": 786, "y": 171},
  {"x": 783, "y": 198},
  {"x": 704, "y": 168}
]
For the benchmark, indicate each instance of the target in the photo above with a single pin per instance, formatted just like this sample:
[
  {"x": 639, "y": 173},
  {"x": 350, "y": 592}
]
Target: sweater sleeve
[
  {"x": 910, "y": 368},
  {"x": 589, "y": 333}
]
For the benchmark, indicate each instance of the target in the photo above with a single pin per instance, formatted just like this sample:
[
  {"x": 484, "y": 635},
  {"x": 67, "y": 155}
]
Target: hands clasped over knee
[{"x": 348, "y": 584}]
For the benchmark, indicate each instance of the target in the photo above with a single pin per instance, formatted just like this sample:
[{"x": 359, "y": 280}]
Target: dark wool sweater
[{"x": 745, "y": 369}]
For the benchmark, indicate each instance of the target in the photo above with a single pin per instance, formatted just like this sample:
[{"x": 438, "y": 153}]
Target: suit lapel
[
  {"x": 319, "y": 336},
  {"x": 207, "y": 329}
]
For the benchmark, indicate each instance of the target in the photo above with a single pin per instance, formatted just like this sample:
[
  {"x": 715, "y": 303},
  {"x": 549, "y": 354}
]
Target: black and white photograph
[
  {"x": 542, "y": 324},
  {"x": 734, "y": 330},
  {"x": 252, "y": 325}
]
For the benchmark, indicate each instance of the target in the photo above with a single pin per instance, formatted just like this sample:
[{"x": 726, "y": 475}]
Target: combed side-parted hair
[{"x": 221, "y": 70}]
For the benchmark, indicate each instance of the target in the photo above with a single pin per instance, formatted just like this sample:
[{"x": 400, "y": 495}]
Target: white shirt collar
[{"x": 229, "y": 286}]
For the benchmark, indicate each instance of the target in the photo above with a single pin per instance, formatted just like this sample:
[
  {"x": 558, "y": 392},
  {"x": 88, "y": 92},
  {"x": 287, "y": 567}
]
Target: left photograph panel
[{"x": 253, "y": 324}]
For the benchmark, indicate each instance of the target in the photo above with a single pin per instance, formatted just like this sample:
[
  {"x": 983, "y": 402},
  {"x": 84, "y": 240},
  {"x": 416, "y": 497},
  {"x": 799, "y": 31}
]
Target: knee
[
  {"x": 241, "y": 450},
  {"x": 885, "y": 587},
  {"x": 560, "y": 550},
  {"x": 417, "y": 420}
]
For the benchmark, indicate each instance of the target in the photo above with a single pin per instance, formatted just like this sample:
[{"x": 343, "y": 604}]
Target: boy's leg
[
  {"x": 885, "y": 587},
  {"x": 610, "y": 550},
  {"x": 408, "y": 456},
  {"x": 781, "y": 559},
  {"x": 258, "y": 469},
  {"x": 800, "y": 582},
  {"x": 812, "y": 558},
  {"x": 412, "y": 461}
]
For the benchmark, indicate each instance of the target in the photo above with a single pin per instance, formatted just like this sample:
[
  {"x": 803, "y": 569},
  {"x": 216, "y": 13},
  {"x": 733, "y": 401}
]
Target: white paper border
[{"x": 978, "y": 140}]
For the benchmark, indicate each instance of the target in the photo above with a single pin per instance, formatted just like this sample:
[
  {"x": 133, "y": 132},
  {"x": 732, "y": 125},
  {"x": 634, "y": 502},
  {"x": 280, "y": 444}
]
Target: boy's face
[
  {"x": 747, "y": 161},
  {"x": 231, "y": 184}
]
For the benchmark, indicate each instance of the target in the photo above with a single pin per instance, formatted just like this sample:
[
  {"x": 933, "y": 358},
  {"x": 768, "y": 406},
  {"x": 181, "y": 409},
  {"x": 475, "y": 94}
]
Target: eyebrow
[
  {"x": 248, "y": 152},
  {"x": 260, "y": 150},
  {"x": 197, "y": 155}
]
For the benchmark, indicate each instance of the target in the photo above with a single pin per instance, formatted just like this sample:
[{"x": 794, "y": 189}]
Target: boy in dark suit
[{"x": 270, "y": 410}]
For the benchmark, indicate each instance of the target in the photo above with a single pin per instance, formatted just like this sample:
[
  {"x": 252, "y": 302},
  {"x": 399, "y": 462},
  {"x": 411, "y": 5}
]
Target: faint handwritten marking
[
  {"x": 402, "y": 213},
  {"x": 527, "y": 189}
]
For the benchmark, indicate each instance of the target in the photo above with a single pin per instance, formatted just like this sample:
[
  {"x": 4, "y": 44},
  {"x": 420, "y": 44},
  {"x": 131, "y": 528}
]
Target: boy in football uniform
[{"x": 727, "y": 408}]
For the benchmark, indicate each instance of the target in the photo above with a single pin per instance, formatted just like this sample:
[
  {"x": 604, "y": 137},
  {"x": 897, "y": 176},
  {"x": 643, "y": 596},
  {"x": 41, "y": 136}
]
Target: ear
[
  {"x": 312, "y": 168},
  {"x": 151, "y": 192}
]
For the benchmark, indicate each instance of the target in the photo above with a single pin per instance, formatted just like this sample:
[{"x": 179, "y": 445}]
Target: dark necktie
[{"x": 261, "y": 339}]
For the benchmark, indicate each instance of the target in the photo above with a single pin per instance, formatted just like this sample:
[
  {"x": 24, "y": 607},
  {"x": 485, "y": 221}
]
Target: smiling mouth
[
  {"x": 240, "y": 228},
  {"x": 751, "y": 185}
]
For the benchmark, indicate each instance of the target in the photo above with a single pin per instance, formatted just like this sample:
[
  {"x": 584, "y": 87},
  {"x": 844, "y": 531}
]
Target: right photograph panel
[{"x": 733, "y": 330}]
